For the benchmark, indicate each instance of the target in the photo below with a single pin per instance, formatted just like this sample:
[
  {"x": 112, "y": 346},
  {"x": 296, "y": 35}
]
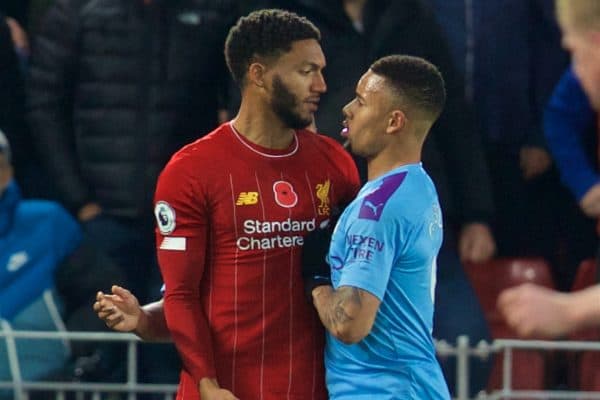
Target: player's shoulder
[
  {"x": 419, "y": 183},
  {"x": 203, "y": 150},
  {"x": 419, "y": 196},
  {"x": 410, "y": 191}
]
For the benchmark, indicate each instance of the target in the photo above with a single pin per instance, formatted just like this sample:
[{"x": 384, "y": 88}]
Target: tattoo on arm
[{"x": 345, "y": 304}]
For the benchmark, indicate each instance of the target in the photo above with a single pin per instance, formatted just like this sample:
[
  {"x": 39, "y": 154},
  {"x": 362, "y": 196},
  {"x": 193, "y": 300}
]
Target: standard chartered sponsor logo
[{"x": 265, "y": 235}]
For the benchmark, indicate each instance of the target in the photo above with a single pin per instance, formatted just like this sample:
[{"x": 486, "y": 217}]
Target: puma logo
[{"x": 373, "y": 207}]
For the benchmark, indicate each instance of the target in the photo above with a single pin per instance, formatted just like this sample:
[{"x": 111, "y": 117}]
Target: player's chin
[{"x": 306, "y": 120}]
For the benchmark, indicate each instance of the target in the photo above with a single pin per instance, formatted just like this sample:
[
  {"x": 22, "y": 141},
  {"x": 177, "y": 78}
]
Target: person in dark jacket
[
  {"x": 354, "y": 34},
  {"x": 12, "y": 120},
  {"x": 510, "y": 53},
  {"x": 115, "y": 87},
  {"x": 14, "y": 52}
]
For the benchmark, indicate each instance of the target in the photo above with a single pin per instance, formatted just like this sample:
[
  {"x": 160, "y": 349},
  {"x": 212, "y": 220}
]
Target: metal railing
[
  {"x": 131, "y": 387},
  {"x": 462, "y": 350}
]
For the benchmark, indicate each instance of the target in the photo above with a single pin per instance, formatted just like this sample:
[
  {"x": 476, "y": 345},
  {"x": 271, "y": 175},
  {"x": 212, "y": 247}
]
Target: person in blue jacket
[
  {"x": 35, "y": 237},
  {"x": 570, "y": 126}
]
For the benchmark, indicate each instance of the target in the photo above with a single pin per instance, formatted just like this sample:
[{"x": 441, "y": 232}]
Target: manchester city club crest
[{"x": 165, "y": 217}]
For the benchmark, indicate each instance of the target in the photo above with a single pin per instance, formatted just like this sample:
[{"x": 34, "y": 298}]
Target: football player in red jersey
[{"x": 232, "y": 210}]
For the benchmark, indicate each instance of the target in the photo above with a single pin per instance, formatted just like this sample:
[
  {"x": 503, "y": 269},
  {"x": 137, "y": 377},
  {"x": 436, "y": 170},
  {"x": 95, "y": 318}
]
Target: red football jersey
[{"x": 231, "y": 217}]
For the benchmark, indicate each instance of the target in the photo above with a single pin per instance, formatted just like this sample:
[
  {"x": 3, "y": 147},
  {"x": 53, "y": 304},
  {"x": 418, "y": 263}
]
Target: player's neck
[
  {"x": 262, "y": 127},
  {"x": 388, "y": 160}
]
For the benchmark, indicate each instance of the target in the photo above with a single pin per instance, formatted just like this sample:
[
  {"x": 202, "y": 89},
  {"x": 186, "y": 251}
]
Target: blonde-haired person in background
[{"x": 531, "y": 310}]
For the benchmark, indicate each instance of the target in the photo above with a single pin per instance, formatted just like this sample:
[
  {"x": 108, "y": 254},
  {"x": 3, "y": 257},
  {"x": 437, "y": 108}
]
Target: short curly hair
[
  {"x": 415, "y": 80},
  {"x": 264, "y": 33}
]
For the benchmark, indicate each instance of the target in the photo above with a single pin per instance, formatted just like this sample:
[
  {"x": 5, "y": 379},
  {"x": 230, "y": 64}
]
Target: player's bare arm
[
  {"x": 348, "y": 313},
  {"x": 537, "y": 312}
]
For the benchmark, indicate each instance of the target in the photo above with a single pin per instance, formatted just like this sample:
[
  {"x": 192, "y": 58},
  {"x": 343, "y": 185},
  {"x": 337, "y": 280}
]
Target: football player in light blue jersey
[{"x": 378, "y": 305}]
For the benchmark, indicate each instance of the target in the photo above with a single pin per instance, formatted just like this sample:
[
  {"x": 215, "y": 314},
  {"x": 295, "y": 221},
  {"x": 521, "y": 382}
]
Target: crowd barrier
[{"x": 462, "y": 350}]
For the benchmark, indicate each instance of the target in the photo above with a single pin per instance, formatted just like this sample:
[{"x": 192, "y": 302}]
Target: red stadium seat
[
  {"x": 586, "y": 371},
  {"x": 586, "y": 275},
  {"x": 488, "y": 280}
]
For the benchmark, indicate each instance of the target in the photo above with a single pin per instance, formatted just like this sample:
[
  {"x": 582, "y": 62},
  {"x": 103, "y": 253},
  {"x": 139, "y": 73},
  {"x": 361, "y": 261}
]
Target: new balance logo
[{"x": 247, "y": 199}]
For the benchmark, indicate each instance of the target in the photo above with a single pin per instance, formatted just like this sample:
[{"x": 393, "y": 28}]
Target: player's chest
[{"x": 273, "y": 194}]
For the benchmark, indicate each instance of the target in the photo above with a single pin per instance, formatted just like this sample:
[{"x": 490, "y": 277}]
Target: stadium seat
[
  {"x": 488, "y": 280},
  {"x": 586, "y": 371}
]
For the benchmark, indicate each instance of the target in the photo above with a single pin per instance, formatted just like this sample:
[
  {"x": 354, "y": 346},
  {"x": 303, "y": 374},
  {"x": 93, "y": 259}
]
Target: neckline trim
[{"x": 254, "y": 148}]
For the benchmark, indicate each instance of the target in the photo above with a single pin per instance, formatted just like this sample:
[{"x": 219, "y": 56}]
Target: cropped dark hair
[
  {"x": 264, "y": 33},
  {"x": 415, "y": 80}
]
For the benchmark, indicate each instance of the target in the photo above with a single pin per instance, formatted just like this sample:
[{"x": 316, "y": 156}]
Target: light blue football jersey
[{"x": 386, "y": 242}]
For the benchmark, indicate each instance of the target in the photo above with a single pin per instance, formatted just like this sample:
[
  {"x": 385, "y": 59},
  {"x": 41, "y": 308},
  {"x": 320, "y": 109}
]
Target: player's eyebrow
[{"x": 312, "y": 65}]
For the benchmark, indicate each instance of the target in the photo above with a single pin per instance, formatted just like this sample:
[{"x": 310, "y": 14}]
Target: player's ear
[
  {"x": 256, "y": 74},
  {"x": 396, "y": 121}
]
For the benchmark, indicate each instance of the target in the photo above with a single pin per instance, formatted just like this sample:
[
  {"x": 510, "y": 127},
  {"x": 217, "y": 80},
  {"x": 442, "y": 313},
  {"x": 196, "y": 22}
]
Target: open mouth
[{"x": 345, "y": 129}]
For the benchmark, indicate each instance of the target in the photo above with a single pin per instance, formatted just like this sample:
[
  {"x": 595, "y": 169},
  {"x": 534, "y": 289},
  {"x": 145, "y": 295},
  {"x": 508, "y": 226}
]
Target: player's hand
[
  {"x": 535, "y": 311},
  {"x": 476, "y": 243},
  {"x": 18, "y": 35},
  {"x": 210, "y": 390},
  {"x": 120, "y": 310},
  {"x": 88, "y": 212},
  {"x": 590, "y": 202},
  {"x": 534, "y": 161}
]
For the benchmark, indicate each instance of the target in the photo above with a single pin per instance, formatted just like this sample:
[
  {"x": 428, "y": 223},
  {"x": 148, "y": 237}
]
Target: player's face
[
  {"x": 296, "y": 83},
  {"x": 365, "y": 119},
  {"x": 584, "y": 47}
]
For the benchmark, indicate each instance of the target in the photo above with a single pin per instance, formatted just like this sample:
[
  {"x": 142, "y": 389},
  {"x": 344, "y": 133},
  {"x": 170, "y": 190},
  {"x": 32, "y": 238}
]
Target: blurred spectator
[
  {"x": 511, "y": 57},
  {"x": 14, "y": 55},
  {"x": 46, "y": 281},
  {"x": 354, "y": 34},
  {"x": 35, "y": 237},
  {"x": 11, "y": 85},
  {"x": 568, "y": 119},
  {"x": 570, "y": 125},
  {"x": 115, "y": 88},
  {"x": 17, "y": 9}
]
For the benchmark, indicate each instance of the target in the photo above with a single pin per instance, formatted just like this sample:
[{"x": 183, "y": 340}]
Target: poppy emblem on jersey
[
  {"x": 285, "y": 195},
  {"x": 165, "y": 217},
  {"x": 323, "y": 196}
]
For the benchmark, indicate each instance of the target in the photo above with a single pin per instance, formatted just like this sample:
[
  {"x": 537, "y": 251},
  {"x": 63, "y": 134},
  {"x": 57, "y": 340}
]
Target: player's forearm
[
  {"x": 152, "y": 325},
  {"x": 340, "y": 312},
  {"x": 191, "y": 334},
  {"x": 584, "y": 307}
]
